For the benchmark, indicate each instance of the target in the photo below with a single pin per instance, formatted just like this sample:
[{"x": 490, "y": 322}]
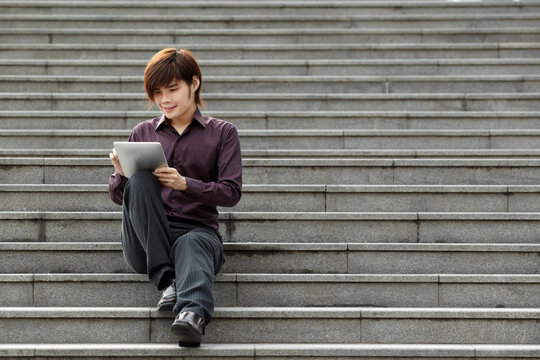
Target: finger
[
  {"x": 162, "y": 170},
  {"x": 162, "y": 176}
]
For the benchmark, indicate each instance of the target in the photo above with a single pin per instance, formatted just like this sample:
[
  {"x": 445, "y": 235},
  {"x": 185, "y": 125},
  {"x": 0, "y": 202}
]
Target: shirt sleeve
[
  {"x": 227, "y": 190},
  {"x": 117, "y": 183}
]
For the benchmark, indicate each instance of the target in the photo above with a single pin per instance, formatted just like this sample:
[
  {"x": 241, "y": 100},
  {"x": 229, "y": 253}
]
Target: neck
[{"x": 185, "y": 118}]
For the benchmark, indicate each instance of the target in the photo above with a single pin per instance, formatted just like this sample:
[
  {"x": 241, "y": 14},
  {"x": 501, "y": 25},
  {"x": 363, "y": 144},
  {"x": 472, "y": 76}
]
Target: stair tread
[
  {"x": 276, "y": 349},
  {"x": 321, "y": 188},
  {"x": 444, "y": 162},
  {"x": 261, "y": 32},
  {"x": 319, "y": 216},
  {"x": 284, "y": 278},
  {"x": 250, "y": 246},
  {"x": 279, "y": 62},
  {"x": 295, "y": 153},
  {"x": 278, "y": 312},
  {"x": 270, "y": 17},
  {"x": 343, "y": 46}
]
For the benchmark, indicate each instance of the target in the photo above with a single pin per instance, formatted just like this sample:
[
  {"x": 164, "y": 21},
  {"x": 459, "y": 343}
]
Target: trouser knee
[
  {"x": 142, "y": 185},
  {"x": 141, "y": 180}
]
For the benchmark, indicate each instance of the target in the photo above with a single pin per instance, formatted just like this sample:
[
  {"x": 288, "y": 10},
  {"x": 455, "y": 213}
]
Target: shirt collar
[{"x": 197, "y": 116}]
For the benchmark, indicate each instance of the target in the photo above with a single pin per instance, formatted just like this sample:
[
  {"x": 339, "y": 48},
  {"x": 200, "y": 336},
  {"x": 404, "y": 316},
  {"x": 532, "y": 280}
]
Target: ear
[{"x": 195, "y": 83}]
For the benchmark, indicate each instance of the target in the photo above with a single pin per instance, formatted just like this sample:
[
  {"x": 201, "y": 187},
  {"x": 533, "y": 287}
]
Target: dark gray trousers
[{"x": 166, "y": 249}]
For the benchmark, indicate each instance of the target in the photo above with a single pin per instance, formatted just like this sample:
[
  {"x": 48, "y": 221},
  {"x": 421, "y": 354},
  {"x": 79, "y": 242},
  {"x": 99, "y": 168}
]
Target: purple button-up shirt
[{"x": 207, "y": 154}]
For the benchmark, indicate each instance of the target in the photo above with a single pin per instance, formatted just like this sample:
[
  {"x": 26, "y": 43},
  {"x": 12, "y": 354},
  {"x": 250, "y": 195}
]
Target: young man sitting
[{"x": 169, "y": 216}]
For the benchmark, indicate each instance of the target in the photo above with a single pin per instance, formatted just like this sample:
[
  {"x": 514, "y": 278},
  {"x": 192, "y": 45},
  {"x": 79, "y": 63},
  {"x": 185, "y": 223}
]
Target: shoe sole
[
  {"x": 166, "y": 306},
  {"x": 186, "y": 344},
  {"x": 186, "y": 334}
]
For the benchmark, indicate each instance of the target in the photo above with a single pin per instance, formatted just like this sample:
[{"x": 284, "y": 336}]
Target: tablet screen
[{"x": 139, "y": 156}]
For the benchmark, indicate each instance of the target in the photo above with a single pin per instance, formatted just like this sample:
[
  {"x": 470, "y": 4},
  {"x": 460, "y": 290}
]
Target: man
[{"x": 169, "y": 216}]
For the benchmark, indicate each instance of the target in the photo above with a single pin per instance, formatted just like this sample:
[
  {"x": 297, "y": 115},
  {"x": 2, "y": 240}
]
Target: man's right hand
[{"x": 114, "y": 158}]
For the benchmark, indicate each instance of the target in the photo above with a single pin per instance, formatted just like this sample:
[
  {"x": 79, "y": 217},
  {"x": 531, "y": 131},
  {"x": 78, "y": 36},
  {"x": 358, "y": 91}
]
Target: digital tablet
[{"x": 139, "y": 156}]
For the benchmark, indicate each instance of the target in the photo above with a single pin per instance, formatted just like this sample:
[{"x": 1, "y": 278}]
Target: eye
[
  {"x": 174, "y": 89},
  {"x": 156, "y": 92}
]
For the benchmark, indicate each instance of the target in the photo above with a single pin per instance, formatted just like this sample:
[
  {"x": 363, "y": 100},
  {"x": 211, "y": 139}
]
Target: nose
[{"x": 164, "y": 98}]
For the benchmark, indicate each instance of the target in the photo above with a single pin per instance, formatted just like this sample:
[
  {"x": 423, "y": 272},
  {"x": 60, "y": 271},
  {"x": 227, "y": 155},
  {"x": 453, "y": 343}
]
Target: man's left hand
[{"x": 170, "y": 177}]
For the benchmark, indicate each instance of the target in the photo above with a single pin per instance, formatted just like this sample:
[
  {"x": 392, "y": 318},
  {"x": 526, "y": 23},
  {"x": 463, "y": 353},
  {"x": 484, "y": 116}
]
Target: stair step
[
  {"x": 255, "y": 51},
  {"x": 304, "y": 154},
  {"x": 285, "y": 84},
  {"x": 269, "y": 21},
  {"x": 289, "y": 102},
  {"x": 267, "y": 36},
  {"x": 260, "y": 324},
  {"x": 326, "y": 258},
  {"x": 268, "y": 7},
  {"x": 301, "y": 198},
  {"x": 320, "y": 153},
  {"x": 346, "y": 120},
  {"x": 275, "y": 351},
  {"x": 323, "y": 227},
  {"x": 322, "y": 67},
  {"x": 297, "y": 139},
  {"x": 397, "y": 171},
  {"x": 131, "y": 290}
]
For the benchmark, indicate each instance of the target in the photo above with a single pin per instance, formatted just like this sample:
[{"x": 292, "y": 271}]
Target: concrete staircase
[{"x": 391, "y": 204}]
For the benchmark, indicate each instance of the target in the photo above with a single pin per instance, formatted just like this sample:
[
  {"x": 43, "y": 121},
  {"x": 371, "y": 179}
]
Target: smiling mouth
[{"x": 169, "y": 108}]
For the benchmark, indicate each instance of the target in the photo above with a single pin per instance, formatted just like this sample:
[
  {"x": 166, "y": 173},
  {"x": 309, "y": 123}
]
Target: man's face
[{"x": 177, "y": 98}]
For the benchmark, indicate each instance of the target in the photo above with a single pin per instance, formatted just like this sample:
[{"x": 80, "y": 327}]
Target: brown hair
[{"x": 168, "y": 65}]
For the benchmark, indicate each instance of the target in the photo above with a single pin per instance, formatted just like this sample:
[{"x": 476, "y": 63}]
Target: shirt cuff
[
  {"x": 194, "y": 189},
  {"x": 119, "y": 181}
]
